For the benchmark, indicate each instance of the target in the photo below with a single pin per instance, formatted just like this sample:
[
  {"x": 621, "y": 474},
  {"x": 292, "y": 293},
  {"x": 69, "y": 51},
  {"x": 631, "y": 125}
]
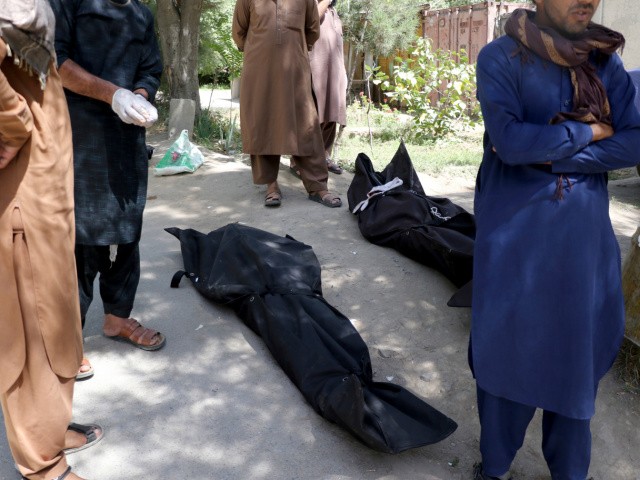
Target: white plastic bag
[{"x": 182, "y": 156}]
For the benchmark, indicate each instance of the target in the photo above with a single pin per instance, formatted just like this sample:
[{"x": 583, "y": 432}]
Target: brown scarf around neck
[
  {"x": 590, "y": 102},
  {"x": 27, "y": 27}
]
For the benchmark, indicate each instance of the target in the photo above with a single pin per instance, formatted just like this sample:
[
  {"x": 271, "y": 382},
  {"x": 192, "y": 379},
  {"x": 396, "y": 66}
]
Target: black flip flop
[{"x": 89, "y": 431}]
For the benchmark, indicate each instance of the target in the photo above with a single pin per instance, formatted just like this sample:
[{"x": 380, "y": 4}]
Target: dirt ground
[
  {"x": 213, "y": 404},
  {"x": 399, "y": 307}
]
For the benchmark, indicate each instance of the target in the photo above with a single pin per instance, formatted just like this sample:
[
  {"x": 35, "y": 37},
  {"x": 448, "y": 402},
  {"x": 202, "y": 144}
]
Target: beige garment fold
[
  {"x": 39, "y": 181},
  {"x": 37, "y": 407},
  {"x": 40, "y": 332}
]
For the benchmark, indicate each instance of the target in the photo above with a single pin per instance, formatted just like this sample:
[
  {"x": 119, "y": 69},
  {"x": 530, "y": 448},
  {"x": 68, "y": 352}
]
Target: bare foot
[
  {"x": 272, "y": 187},
  {"x": 112, "y": 324},
  {"x": 73, "y": 439},
  {"x": 73, "y": 476}
]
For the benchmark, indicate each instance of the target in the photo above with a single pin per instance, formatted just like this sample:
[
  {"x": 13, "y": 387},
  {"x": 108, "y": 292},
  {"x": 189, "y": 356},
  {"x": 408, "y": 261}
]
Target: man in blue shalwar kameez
[{"x": 548, "y": 315}]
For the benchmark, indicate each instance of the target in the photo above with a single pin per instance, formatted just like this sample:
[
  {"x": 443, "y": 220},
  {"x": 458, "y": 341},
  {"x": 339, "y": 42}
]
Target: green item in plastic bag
[{"x": 182, "y": 156}]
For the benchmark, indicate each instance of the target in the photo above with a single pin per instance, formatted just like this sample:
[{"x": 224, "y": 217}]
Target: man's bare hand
[
  {"x": 7, "y": 154},
  {"x": 601, "y": 131}
]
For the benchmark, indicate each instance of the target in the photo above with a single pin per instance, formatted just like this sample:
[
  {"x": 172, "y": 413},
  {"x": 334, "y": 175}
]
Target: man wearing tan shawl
[{"x": 40, "y": 335}]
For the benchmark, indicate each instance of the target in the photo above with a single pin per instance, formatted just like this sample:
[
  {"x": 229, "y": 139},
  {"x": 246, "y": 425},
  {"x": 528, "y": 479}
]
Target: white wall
[{"x": 624, "y": 17}]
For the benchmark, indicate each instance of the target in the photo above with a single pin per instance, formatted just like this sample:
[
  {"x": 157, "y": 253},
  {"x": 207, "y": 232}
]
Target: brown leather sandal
[
  {"x": 329, "y": 199},
  {"x": 333, "y": 167},
  {"x": 273, "y": 199},
  {"x": 142, "y": 337}
]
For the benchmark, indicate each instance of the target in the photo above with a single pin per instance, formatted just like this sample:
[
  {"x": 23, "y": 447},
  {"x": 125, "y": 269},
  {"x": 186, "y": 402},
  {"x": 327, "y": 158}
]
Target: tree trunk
[
  {"x": 631, "y": 289},
  {"x": 179, "y": 34}
]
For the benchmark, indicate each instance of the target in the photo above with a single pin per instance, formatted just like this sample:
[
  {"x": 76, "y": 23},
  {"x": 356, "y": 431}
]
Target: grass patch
[
  {"x": 215, "y": 130},
  {"x": 377, "y": 131},
  {"x": 626, "y": 201},
  {"x": 628, "y": 365},
  {"x": 623, "y": 173},
  {"x": 462, "y": 150}
]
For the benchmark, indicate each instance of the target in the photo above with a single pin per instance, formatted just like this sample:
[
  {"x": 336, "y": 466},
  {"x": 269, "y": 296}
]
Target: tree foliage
[
  {"x": 436, "y": 86},
  {"x": 381, "y": 26},
  {"x": 220, "y": 60}
]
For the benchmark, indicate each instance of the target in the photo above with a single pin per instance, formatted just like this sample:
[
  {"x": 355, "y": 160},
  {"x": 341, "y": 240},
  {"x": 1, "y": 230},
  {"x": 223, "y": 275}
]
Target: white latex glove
[
  {"x": 133, "y": 108},
  {"x": 150, "y": 112}
]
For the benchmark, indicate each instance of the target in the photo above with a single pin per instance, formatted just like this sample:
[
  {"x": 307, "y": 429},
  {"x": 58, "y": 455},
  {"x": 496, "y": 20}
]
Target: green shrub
[
  {"x": 381, "y": 121},
  {"x": 436, "y": 87},
  {"x": 219, "y": 61},
  {"x": 215, "y": 130}
]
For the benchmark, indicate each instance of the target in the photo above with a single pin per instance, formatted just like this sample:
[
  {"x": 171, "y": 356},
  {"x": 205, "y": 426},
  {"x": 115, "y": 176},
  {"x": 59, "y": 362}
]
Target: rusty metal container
[{"x": 468, "y": 27}]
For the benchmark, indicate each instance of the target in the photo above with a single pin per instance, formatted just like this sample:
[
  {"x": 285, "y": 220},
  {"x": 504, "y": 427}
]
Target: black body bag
[
  {"x": 273, "y": 285},
  {"x": 430, "y": 230}
]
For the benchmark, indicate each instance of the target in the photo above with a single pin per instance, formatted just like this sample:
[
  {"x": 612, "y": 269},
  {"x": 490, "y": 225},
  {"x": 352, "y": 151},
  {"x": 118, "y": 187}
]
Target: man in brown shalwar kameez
[
  {"x": 329, "y": 80},
  {"x": 277, "y": 112},
  {"x": 40, "y": 332}
]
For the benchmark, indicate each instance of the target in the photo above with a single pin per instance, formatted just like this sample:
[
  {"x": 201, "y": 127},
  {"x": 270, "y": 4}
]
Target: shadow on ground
[{"x": 213, "y": 404}]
